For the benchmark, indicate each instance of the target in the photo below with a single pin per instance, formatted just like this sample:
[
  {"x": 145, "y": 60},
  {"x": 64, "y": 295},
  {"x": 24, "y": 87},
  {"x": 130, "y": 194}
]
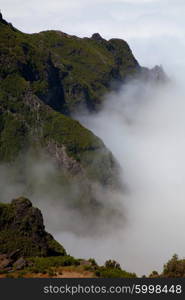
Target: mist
[
  {"x": 143, "y": 125},
  {"x": 66, "y": 201}
]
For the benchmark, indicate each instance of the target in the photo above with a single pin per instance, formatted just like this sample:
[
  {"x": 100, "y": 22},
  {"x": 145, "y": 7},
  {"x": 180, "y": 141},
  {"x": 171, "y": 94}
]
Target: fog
[
  {"x": 144, "y": 127},
  {"x": 65, "y": 201}
]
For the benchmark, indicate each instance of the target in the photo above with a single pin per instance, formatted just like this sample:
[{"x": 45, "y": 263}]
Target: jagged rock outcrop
[
  {"x": 155, "y": 75},
  {"x": 22, "y": 233}
]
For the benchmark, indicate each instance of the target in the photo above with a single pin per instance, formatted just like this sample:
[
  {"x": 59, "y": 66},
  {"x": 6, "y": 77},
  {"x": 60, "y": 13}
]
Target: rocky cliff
[
  {"x": 42, "y": 75},
  {"x": 22, "y": 231}
]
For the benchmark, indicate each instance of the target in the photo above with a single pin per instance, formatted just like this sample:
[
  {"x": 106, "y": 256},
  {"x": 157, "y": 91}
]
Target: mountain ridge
[
  {"x": 44, "y": 78},
  {"x": 66, "y": 71}
]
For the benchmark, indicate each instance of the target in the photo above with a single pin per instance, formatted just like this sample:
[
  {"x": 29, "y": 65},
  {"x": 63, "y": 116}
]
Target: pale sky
[{"x": 153, "y": 28}]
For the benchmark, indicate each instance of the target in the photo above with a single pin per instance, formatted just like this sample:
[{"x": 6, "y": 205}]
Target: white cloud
[{"x": 145, "y": 132}]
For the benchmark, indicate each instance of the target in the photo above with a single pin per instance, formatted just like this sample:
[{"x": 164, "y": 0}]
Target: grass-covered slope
[
  {"x": 42, "y": 75},
  {"x": 62, "y": 70}
]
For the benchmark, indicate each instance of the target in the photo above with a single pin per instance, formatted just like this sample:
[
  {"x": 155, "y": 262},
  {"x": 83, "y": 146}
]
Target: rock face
[
  {"x": 22, "y": 233},
  {"x": 9, "y": 262}
]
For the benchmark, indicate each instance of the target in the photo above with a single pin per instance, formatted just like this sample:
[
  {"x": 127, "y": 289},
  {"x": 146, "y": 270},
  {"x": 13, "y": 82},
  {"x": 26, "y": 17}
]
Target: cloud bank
[{"x": 144, "y": 127}]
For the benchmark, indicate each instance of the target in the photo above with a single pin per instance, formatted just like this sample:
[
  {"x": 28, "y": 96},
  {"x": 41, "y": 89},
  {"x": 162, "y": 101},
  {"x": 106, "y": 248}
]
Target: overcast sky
[{"x": 153, "y": 28}]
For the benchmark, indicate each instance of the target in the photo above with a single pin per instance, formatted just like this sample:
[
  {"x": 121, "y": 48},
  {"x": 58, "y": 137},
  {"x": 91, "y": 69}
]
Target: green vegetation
[
  {"x": 13, "y": 137},
  {"x": 70, "y": 133},
  {"x": 175, "y": 267},
  {"x": 44, "y": 77},
  {"x": 112, "y": 269},
  {"x": 62, "y": 70},
  {"x": 46, "y": 264}
]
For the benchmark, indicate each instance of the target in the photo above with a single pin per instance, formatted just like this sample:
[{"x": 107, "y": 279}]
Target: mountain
[
  {"x": 49, "y": 72},
  {"x": 44, "y": 79}
]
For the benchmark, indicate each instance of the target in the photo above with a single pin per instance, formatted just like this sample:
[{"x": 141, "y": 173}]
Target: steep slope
[
  {"x": 44, "y": 78},
  {"x": 32, "y": 85},
  {"x": 62, "y": 70}
]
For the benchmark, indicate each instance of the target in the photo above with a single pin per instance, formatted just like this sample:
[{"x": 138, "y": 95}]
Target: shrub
[
  {"x": 41, "y": 264},
  {"x": 175, "y": 267}
]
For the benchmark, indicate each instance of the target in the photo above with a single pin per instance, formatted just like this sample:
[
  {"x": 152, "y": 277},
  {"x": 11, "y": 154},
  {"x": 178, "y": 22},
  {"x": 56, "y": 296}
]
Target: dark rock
[
  {"x": 158, "y": 74},
  {"x": 15, "y": 254},
  {"x": 5, "y": 262},
  {"x": 97, "y": 37},
  {"x": 20, "y": 264},
  {"x": 2, "y": 21},
  {"x": 8, "y": 264},
  {"x": 21, "y": 204},
  {"x": 54, "y": 94}
]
